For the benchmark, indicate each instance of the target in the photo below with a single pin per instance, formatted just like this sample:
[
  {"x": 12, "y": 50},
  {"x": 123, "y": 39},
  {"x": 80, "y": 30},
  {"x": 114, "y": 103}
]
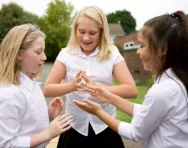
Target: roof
[
  {"x": 127, "y": 38},
  {"x": 116, "y": 29}
]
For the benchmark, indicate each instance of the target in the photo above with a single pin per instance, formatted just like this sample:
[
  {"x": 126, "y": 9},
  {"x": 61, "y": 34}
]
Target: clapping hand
[
  {"x": 55, "y": 107},
  {"x": 76, "y": 83}
]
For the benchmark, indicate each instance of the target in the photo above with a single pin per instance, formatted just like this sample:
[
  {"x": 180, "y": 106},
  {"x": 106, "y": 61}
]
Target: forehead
[
  {"x": 141, "y": 37},
  {"x": 38, "y": 42},
  {"x": 87, "y": 23}
]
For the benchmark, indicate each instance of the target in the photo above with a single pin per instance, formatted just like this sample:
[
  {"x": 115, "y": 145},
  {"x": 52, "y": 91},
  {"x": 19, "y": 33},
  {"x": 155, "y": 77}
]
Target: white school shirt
[
  {"x": 162, "y": 120},
  {"x": 23, "y": 113},
  {"x": 100, "y": 73}
]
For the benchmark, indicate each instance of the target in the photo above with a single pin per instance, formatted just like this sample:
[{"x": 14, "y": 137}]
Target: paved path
[{"x": 53, "y": 143}]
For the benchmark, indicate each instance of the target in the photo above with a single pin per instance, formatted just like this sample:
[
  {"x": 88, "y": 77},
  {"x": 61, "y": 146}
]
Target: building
[{"x": 115, "y": 31}]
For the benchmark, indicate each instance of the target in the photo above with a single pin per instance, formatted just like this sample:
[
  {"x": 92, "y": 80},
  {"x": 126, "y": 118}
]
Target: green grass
[{"x": 139, "y": 99}]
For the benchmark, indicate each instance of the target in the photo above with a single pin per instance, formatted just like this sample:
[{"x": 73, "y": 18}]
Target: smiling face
[
  {"x": 88, "y": 35},
  {"x": 148, "y": 59},
  {"x": 31, "y": 59}
]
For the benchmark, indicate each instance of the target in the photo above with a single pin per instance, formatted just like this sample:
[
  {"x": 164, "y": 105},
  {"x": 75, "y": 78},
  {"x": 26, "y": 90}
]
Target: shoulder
[
  {"x": 114, "y": 49},
  {"x": 116, "y": 57},
  {"x": 64, "y": 51},
  {"x": 11, "y": 93},
  {"x": 64, "y": 55},
  {"x": 165, "y": 91}
]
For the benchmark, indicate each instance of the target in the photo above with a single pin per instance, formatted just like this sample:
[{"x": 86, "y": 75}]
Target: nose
[
  {"x": 86, "y": 37},
  {"x": 138, "y": 51},
  {"x": 44, "y": 58}
]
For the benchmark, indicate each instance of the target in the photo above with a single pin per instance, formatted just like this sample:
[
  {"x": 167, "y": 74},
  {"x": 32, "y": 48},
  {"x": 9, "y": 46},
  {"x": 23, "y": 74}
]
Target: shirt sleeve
[
  {"x": 148, "y": 117},
  {"x": 61, "y": 55},
  {"x": 136, "y": 109},
  {"x": 118, "y": 57},
  {"x": 10, "y": 116}
]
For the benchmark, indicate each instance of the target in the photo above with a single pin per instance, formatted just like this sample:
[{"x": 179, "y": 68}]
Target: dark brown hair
[{"x": 169, "y": 32}]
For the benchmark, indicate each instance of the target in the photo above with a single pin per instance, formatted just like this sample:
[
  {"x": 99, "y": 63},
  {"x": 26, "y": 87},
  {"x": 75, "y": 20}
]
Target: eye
[
  {"x": 81, "y": 31},
  {"x": 141, "y": 46},
  {"x": 92, "y": 33},
  {"x": 39, "y": 51}
]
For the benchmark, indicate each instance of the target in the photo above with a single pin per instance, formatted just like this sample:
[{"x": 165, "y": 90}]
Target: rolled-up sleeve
[
  {"x": 147, "y": 117},
  {"x": 136, "y": 109},
  {"x": 10, "y": 118}
]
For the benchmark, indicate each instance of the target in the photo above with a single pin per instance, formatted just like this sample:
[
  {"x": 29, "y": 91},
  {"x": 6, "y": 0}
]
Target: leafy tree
[
  {"x": 12, "y": 15},
  {"x": 123, "y": 17},
  {"x": 56, "y": 25}
]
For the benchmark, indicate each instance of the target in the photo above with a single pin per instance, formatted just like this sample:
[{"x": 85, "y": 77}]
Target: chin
[{"x": 147, "y": 68}]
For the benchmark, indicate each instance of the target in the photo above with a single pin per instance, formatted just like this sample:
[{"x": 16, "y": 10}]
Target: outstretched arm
[{"x": 144, "y": 122}]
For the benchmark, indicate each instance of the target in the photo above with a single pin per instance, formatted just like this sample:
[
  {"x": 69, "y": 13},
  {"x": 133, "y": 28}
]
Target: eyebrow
[{"x": 139, "y": 42}]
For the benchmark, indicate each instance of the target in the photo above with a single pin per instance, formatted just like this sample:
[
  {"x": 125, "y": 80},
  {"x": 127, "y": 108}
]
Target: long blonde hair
[
  {"x": 19, "y": 38},
  {"x": 96, "y": 14}
]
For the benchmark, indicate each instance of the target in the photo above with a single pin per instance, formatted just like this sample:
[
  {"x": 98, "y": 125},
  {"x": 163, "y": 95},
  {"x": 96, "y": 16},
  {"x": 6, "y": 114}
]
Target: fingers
[
  {"x": 62, "y": 117},
  {"x": 64, "y": 120},
  {"x": 91, "y": 91},
  {"x": 83, "y": 105},
  {"x": 79, "y": 73},
  {"x": 66, "y": 128},
  {"x": 78, "y": 79},
  {"x": 91, "y": 103},
  {"x": 57, "y": 101},
  {"x": 86, "y": 78},
  {"x": 77, "y": 102}
]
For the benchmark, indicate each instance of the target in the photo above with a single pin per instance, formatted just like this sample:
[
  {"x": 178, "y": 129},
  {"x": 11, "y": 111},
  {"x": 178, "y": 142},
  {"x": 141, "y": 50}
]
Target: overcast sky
[{"x": 141, "y": 10}]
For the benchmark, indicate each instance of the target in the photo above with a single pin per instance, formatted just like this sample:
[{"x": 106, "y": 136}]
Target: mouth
[
  {"x": 41, "y": 64},
  {"x": 86, "y": 43}
]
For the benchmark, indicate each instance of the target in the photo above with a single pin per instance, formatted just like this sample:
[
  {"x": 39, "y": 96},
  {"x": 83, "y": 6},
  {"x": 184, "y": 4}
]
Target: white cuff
[
  {"x": 124, "y": 130},
  {"x": 23, "y": 142}
]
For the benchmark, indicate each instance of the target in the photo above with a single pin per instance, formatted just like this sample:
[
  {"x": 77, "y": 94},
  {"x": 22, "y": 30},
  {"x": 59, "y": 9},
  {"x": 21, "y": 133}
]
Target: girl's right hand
[{"x": 59, "y": 125}]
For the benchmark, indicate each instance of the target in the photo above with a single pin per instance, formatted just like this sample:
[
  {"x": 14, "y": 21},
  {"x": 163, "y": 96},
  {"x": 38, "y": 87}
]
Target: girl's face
[
  {"x": 33, "y": 57},
  {"x": 88, "y": 35},
  {"x": 148, "y": 60}
]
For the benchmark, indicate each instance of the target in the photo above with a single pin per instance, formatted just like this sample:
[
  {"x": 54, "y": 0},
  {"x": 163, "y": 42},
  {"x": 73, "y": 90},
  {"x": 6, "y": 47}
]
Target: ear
[
  {"x": 163, "y": 50},
  {"x": 19, "y": 56}
]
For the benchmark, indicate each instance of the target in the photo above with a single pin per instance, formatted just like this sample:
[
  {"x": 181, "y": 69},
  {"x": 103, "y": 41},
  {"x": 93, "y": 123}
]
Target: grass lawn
[{"x": 141, "y": 93}]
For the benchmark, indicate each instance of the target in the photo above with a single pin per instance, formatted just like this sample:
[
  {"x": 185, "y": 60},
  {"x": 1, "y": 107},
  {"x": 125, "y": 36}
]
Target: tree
[
  {"x": 56, "y": 25},
  {"x": 12, "y": 15},
  {"x": 125, "y": 18}
]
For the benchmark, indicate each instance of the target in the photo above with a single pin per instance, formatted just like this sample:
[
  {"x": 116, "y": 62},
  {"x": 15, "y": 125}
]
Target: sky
[{"x": 141, "y": 10}]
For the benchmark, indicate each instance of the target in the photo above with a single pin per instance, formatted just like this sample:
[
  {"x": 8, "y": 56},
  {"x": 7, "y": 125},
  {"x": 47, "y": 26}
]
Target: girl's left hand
[
  {"x": 88, "y": 106},
  {"x": 55, "y": 107}
]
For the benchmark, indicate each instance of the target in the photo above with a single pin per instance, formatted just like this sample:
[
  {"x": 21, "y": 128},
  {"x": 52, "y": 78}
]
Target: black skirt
[{"x": 106, "y": 139}]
